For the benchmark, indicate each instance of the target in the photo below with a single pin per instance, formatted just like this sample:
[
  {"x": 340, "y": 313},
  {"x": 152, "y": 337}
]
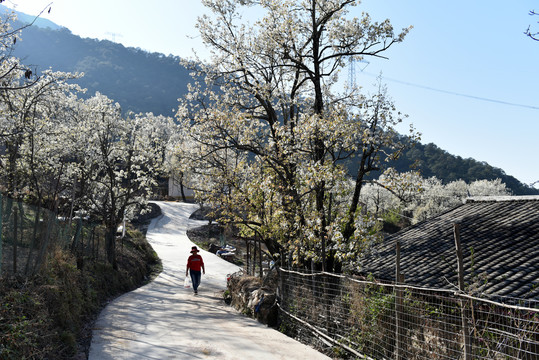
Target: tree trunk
[
  {"x": 184, "y": 198},
  {"x": 110, "y": 245}
]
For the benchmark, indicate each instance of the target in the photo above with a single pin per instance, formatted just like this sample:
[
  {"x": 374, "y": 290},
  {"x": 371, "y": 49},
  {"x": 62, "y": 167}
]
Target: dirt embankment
[{"x": 51, "y": 315}]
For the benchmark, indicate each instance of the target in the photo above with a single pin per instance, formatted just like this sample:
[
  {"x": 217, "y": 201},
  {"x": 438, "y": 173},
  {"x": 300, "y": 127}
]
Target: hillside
[
  {"x": 151, "y": 82},
  {"x": 28, "y": 19},
  {"x": 140, "y": 81},
  {"x": 430, "y": 160}
]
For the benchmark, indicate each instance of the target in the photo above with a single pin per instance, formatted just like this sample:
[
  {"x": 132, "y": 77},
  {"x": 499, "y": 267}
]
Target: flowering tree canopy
[
  {"x": 116, "y": 160},
  {"x": 416, "y": 199},
  {"x": 67, "y": 153},
  {"x": 266, "y": 137}
]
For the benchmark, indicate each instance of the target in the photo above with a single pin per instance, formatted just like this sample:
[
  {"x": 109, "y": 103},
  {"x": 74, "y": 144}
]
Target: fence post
[
  {"x": 15, "y": 233},
  {"x": 260, "y": 259},
  {"x": 33, "y": 242},
  {"x": 76, "y": 237},
  {"x": 7, "y": 215},
  {"x": 254, "y": 257},
  {"x": 45, "y": 235},
  {"x": 464, "y": 323},
  {"x": 1, "y": 228},
  {"x": 327, "y": 303},
  {"x": 399, "y": 340},
  {"x": 98, "y": 244},
  {"x": 82, "y": 237},
  {"x": 247, "y": 257}
]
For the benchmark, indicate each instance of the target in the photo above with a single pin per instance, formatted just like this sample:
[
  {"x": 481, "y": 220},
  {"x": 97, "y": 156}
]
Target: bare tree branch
[{"x": 528, "y": 32}]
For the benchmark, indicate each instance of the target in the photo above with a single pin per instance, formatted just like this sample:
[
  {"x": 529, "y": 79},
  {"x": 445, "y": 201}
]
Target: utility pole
[
  {"x": 113, "y": 35},
  {"x": 352, "y": 70},
  {"x": 351, "y": 73}
]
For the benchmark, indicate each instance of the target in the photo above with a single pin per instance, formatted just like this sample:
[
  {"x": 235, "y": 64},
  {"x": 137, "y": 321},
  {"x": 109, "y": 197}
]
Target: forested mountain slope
[
  {"x": 140, "y": 81},
  {"x": 430, "y": 160},
  {"x": 151, "y": 82}
]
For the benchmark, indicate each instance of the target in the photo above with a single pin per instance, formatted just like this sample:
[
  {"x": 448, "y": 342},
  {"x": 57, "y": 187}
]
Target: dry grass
[{"x": 50, "y": 315}]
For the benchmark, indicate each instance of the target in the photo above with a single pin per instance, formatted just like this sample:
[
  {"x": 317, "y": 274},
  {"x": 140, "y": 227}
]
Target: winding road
[{"x": 162, "y": 320}]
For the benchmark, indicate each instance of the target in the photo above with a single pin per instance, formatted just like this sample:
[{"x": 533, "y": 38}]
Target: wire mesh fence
[
  {"x": 366, "y": 319},
  {"x": 29, "y": 234}
]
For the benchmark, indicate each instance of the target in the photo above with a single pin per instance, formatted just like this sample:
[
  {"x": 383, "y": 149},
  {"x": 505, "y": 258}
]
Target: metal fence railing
[
  {"x": 29, "y": 234},
  {"x": 366, "y": 319}
]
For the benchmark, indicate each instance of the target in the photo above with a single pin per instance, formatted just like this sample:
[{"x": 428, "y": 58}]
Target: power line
[{"x": 453, "y": 92}]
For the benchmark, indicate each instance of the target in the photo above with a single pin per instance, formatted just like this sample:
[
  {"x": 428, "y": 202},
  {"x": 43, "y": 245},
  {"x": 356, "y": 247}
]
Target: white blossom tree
[
  {"x": 59, "y": 149},
  {"x": 117, "y": 161},
  {"x": 63, "y": 150},
  {"x": 25, "y": 114},
  {"x": 270, "y": 137},
  {"x": 437, "y": 197},
  {"x": 419, "y": 199},
  {"x": 10, "y": 67}
]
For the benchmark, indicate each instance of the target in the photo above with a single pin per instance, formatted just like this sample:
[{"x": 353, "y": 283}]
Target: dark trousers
[{"x": 195, "y": 278}]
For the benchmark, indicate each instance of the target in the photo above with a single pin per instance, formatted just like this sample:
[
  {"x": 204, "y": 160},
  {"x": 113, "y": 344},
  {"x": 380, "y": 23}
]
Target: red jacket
[{"x": 195, "y": 262}]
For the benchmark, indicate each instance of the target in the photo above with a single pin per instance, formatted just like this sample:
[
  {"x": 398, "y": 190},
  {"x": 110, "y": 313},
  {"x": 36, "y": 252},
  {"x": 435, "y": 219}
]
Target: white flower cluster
[
  {"x": 268, "y": 142},
  {"x": 68, "y": 151}
]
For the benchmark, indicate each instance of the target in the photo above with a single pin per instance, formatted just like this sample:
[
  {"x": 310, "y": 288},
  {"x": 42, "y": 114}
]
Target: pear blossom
[{"x": 268, "y": 140}]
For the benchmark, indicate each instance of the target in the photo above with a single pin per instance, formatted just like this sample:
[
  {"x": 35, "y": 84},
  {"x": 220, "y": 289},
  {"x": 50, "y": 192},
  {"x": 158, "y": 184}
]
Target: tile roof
[{"x": 500, "y": 242}]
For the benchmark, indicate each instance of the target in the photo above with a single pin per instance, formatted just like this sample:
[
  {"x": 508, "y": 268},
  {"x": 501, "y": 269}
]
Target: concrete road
[{"x": 162, "y": 320}]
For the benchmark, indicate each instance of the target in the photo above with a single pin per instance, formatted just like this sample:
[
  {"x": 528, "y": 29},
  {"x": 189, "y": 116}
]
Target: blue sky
[{"x": 466, "y": 74}]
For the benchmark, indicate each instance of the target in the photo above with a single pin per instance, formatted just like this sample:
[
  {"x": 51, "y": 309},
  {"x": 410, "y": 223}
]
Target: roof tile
[{"x": 501, "y": 232}]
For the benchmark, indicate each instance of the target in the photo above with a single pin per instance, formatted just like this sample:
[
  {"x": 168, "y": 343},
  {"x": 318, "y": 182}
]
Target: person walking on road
[{"x": 194, "y": 265}]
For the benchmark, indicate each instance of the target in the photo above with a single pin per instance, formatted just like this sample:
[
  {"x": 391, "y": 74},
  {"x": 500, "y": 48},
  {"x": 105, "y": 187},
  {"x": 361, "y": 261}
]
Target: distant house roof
[{"x": 500, "y": 242}]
